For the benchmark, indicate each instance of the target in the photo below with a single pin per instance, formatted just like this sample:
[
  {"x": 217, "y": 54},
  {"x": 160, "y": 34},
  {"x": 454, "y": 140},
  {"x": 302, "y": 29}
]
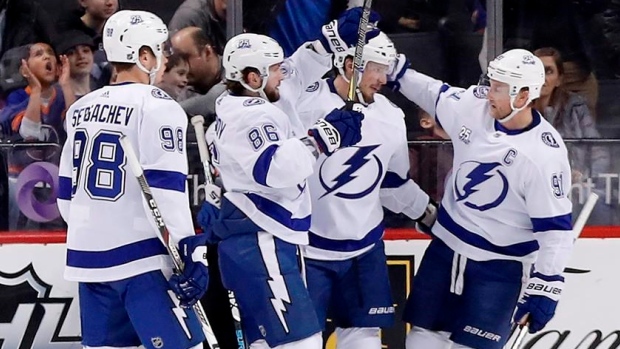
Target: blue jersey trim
[
  {"x": 347, "y": 245},
  {"x": 562, "y": 222},
  {"x": 262, "y": 164},
  {"x": 116, "y": 256},
  {"x": 444, "y": 88},
  {"x": 169, "y": 180},
  {"x": 517, "y": 250},
  {"x": 535, "y": 122},
  {"x": 393, "y": 180},
  {"x": 279, "y": 213},
  {"x": 64, "y": 188}
]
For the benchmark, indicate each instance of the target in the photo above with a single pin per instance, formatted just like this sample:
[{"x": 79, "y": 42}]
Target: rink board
[{"x": 38, "y": 308}]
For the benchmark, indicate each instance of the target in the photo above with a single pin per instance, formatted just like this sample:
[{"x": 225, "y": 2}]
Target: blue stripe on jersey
[
  {"x": 116, "y": 256},
  {"x": 279, "y": 213},
  {"x": 444, "y": 88},
  {"x": 170, "y": 180},
  {"x": 64, "y": 188},
  {"x": 261, "y": 166},
  {"x": 347, "y": 245},
  {"x": 393, "y": 180},
  {"x": 517, "y": 250},
  {"x": 562, "y": 222}
]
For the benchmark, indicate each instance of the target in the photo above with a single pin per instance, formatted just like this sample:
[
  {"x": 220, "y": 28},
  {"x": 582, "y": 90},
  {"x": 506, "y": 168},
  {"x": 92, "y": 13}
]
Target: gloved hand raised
[
  {"x": 191, "y": 283},
  {"x": 340, "y": 34},
  {"x": 540, "y": 300},
  {"x": 340, "y": 128},
  {"x": 400, "y": 67}
]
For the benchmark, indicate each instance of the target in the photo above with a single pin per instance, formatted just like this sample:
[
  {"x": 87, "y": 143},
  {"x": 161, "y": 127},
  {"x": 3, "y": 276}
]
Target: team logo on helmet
[
  {"x": 529, "y": 59},
  {"x": 548, "y": 139},
  {"x": 244, "y": 43},
  {"x": 135, "y": 19}
]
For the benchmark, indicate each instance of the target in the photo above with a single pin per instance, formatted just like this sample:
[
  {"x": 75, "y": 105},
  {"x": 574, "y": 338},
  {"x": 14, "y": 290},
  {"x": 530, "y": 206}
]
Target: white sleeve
[
  {"x": 398, "y": 192},
  {"x": 161, "y": 148},
  {"x": 550, "y": 210},
  {"x": 440, "y": 100},
  {"x": 304, "y": 67},
  {"x": 65, "y": 180},
  {"x": 276, "y": 161}
]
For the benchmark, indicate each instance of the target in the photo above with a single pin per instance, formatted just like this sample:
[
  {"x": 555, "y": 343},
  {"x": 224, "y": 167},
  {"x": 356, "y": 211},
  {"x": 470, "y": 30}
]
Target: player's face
[
  {"x": 42, "y": 63},
  {"x": 272, "y": 89},
  {"x": 80, "y": 60},
  {"x": 499, "y": 100},
  {"x": 100, "y": 9},
  {"x": 373, "y": 78},
  {"x": 553, "y": 78}
]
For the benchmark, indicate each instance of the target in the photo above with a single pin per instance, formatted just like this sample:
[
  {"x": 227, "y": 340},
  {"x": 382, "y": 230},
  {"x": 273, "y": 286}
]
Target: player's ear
[
  {"x": 254, "y": 79},
  {"x": 348, "y": 67}
]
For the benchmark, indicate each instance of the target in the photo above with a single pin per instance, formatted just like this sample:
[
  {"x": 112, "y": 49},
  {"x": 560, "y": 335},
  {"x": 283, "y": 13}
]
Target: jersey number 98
[{"x": 99, "y": 163}]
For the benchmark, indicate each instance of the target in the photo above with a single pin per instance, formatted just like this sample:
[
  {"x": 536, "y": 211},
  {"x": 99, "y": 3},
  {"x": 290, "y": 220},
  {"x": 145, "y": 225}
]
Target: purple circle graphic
[{"x": 38, "y": 211}]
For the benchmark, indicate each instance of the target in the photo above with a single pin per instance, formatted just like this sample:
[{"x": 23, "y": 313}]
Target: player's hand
[
  {"x": 340, "y": 128},
  {"x": 400, "y": 68},
  {"x": 191, "y": 284},
  {"x": 540, "y": 300},
  {"x": 33, "y": 82},
  {"x": 340, "y": 34},
  {"x": 425, "y": 222},
  {"x": 207, "y": 218}
]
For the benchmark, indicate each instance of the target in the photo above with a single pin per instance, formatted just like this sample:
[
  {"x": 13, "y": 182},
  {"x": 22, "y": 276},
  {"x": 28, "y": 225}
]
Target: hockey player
[
  {"x": 505, "y": 215},
  {"x": 113, "y": 251},
  {"x": 265, "y": 211},
  {"x": 346, "y": 268}
]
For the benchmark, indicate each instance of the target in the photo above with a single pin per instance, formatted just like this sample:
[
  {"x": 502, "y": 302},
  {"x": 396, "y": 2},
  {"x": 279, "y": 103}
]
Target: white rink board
[{"x": 590, "y": 302}]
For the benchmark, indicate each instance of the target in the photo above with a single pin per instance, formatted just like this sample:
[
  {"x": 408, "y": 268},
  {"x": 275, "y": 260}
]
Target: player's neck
[
  {"x": 520, "y": 121},
  {"x": 133, "y": 75},
  {"x": 342, "y": 87}
]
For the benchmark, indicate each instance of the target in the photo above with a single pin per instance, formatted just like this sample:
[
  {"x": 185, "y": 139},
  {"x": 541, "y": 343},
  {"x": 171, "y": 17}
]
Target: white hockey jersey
[
  {"x": 507, "y": 195},
  {"x": 263, "y": 166},
  {"x": 349, "y": 188},
  {"x": 111, "y": 234}
]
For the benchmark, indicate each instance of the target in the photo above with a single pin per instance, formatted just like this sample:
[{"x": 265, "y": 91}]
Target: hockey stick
[
  {"x": 214, "y": 193},
  {"x": 580, "y": 223},
  {"x": 164, "y": 234},
  {"x": 359, "y": 50}
]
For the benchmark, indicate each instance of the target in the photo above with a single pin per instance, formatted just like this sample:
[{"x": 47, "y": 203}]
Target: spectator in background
[
  {"x": 570, "y": 115},
  {"x": 23, "y": 22},
  {"x": 205, "y": 71},
  {"x": 208, "y": 15},
  {"x": 174, "y": 78},
  {"x": 78, "y": 47},
  {"x": 90, "y": 20}
]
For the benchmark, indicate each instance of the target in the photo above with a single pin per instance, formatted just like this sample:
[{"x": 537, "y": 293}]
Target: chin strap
[
  {"x": 515, "y": 111},
  {"x": 153, "y": 72},
  {"x": 261, "y": 89}
]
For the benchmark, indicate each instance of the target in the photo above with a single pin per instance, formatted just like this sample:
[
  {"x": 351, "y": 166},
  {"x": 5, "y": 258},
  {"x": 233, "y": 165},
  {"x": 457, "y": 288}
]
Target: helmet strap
[
  {"x": 261, "y": 89},
  {"x": 514, "y": 111},
  {"x": 153, "y": 72}
]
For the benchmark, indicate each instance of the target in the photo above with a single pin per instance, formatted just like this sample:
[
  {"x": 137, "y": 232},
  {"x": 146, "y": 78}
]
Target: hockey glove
[
  {"x": 207, "y": 217},
  {"x": 340, "y": 34},
  {"x": 400, "y": 68},
  {"x": 191, "y": 284},
  {"x": 540, "y": 300},
  {"x": 340, "y": 128},
  {"x": 428, "y": 218}
]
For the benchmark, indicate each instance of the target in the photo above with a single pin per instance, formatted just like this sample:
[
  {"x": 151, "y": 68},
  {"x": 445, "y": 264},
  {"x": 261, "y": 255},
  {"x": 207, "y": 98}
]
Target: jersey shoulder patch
[
  {"x": 313, "y": 87},
  {"x": 253, "y": 101},
  {"x": 481, "y": 91},
  {"x": 548, "y": 139},
  {"x": 160, "y": 94}
]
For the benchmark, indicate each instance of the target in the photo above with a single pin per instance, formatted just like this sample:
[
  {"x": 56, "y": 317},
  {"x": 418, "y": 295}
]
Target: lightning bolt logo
[
  {"x": 353, "y": 164},
  {"x": 277, "y": 285},
  {"x": 480, "y": 174},
  {"x": 179, "y": 313}
]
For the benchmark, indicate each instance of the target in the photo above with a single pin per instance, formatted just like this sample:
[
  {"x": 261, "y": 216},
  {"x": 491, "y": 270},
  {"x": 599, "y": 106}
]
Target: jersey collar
[{"x": 535, "y": 122}]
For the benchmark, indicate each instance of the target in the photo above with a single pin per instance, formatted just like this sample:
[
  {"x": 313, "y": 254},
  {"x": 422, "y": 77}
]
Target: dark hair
[
  {"x": 175, "y": 60},
  {"x": 559, "y": 96},
  {"x": 235, "y": 87}
]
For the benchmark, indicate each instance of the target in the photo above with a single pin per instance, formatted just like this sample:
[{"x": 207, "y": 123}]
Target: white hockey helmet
[
  {"x": 379, "y": 49},
  {"x": 519, "y": 69},
  {"x": 125, "y": 32},
  {"x": 249, "y": 50}
]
